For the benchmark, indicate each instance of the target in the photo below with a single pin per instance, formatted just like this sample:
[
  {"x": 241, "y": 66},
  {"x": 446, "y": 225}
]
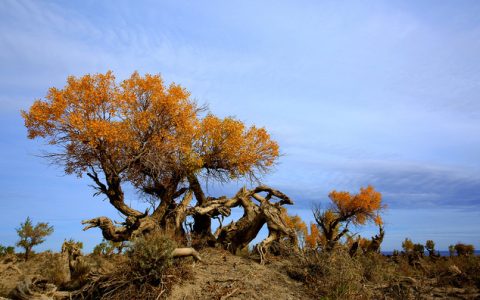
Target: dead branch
[
  {"x": 132, "y": 226},
  {"x": 185, "y": 252}
]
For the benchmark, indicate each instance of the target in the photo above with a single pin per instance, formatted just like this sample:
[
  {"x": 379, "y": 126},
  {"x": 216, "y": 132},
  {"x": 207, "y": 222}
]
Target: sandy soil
[{"x": 224, "y": 276}]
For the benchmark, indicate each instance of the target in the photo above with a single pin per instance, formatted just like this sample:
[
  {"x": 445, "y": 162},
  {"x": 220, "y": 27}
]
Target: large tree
[{"x": 157, "y": 138}]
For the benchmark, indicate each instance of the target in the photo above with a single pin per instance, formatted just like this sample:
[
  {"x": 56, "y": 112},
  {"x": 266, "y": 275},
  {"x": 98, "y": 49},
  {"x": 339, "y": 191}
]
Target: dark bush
[{"x": 464, "y": 249}]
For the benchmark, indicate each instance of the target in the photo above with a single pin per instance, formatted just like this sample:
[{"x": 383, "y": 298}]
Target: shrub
[
  {"x": 54, "y": 269},
  {"x": 150, "y": 256},
  {"x": 6, "y": 250},
  {"x": 332, "y": 275},
  {"x": 146, "y": 272},
  {"x": 419, "y": 249},
  {"x": 464, "y": 250},
  {"x": 376, "y": 269},
  {"x": 108, "y": 248}
]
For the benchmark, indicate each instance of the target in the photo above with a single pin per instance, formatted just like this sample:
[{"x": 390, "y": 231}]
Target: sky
[{"x": 384, "y": 93}]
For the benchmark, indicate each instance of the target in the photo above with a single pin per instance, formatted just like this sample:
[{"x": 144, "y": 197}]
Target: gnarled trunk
[{"x": 169, "y": 216}]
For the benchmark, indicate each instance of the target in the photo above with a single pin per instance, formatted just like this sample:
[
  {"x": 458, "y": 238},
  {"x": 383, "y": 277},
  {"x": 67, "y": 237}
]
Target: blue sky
[{"x": 356, "y": 93}]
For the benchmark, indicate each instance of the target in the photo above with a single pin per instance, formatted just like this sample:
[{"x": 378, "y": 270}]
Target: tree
[
  {"x": 157, "y": 138},
  {"x": 346, "y": 209},
  {"x": 407, "y": 245},
  {"x": 451, "y": 250},
  {"x": 419, "y": 249},
  {"x": 312, "y": 240},
  {"x": 31, "y": 236},
  {"x": 430, "y": 246}
]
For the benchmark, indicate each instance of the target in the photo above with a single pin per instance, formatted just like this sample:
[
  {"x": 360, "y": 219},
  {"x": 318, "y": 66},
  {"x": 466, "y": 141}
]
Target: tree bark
[
  {"x": 258, "y": 210},
  {"x": 202, "y": 223}
]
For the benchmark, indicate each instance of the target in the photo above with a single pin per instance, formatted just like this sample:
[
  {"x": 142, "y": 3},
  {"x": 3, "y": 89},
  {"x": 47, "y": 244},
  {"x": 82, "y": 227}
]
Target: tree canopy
[{"x": 346, "y": 209}]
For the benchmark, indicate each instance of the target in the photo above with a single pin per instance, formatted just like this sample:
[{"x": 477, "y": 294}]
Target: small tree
[
  {"x": 451, "y": 250},
  {"x": 312, "y": 240},
  {"x": 407, "y": 245},
  {"x": 430, "y": 246},
  {"x": 419, "y": 249},
  {"x": 357, "y": 209},
  {"x": 31, "y": 236}
]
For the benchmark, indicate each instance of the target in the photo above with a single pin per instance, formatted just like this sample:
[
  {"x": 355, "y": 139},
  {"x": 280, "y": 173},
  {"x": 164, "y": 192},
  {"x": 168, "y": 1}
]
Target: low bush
[
  {"x": 147, "y": 271},
  {"x": 149, "y": 257},
  {"x": 330, "y": 275}
]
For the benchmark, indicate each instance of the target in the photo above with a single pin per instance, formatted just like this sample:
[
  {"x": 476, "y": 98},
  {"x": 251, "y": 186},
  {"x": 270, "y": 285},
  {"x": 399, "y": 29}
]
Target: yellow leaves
[
  {"x": 96, "y": 118},
  {"x": 329, "y": 216},
  {"x": 226, "y": 144},
  {"x": 362, "y": 206},
  {"x": 312, "y": 240},
  {"x": 407, "y": 245},
  {"x": 296, "y": 223},
  {"x": 378, "y": 220}
]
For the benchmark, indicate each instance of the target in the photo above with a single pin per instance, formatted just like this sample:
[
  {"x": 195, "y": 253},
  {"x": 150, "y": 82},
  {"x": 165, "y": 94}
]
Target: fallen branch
[{"x": 185, "y": 252}]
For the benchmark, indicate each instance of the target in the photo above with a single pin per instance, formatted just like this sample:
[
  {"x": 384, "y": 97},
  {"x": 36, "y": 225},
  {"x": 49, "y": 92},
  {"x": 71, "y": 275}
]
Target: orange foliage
[
  {"x": 296, "y": 223},
  {"x": 312, "y": 240},
  {"x": 347, "y": 209},
  {"x": 96, "y": 122},
  {"x": 226, "y": 144},
  {"x": 360, "y": 207}
]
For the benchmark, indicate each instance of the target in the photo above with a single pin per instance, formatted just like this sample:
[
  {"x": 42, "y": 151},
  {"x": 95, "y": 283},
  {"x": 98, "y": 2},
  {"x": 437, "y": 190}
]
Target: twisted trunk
[{"x": 169, "y": 216}]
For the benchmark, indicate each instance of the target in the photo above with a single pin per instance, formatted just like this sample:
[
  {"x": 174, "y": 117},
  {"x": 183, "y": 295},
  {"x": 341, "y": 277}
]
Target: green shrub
[
  {"x": 430, "y": 246},
  {"x": 419, "y": 249},
  {"x": 147, "y": 271},
  {"x": 150, "y": 256},
  {"x": 6, "y": 250}
]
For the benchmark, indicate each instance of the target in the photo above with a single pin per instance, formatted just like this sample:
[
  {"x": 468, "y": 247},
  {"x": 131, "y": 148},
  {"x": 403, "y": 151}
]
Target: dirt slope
[{"x": 225, "y": 276}]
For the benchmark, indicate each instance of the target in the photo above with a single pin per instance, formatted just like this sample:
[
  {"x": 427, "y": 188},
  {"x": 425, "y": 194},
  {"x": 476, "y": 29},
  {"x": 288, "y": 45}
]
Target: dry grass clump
[
  {"x": 376, "y": 269},
  {"x": 54, "y": 268},
  {"x": 330, "y": 275},
  {"x": 148, "y": 271}
]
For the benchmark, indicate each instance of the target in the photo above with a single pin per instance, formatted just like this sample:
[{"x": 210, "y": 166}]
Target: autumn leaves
[{"x": 94, "y": 116}]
